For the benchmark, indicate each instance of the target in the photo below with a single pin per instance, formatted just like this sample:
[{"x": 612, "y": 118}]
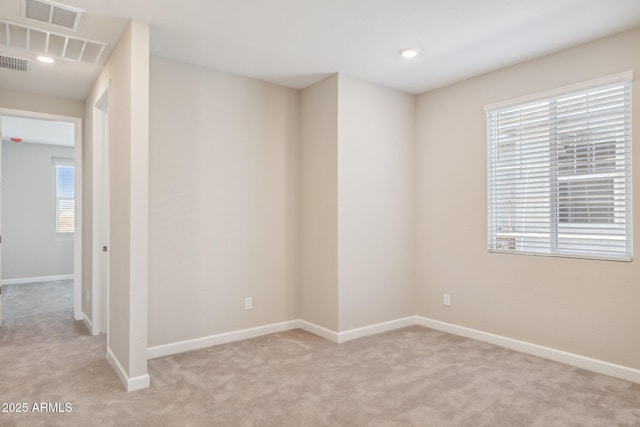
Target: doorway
[
  {"x": 64, "y": 202},
  {"x": 101, "y": 194}
]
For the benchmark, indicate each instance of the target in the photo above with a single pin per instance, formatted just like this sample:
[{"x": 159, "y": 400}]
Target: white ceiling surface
[
  {"x": 298, "y": 42},
  {"x": 38, "y": 131}
]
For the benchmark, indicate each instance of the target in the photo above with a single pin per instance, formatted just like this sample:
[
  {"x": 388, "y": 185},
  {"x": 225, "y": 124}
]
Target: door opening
[
  {"x": 101, "y": 165},
  {"x": 52, "y": 158}
]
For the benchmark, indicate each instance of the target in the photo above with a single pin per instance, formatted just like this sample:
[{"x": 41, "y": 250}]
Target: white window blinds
[
  {"x": 65, "y": 196},
  {"x": 559, "y": 175}
]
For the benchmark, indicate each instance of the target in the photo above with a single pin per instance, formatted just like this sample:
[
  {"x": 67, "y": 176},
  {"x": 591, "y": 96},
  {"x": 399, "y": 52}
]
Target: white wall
[
  {"x": 226, "y": 156},
  {"x": 318, "y": 205},
  {"x": 126, "y": 73},
  {"x": 31, "y": 247},
  {"x": 375, "y": 203},
  {"x": 356, "y": 204},
  {"x": 41, "y": 104},
  {"x": 222, "y": 202},
  {"x": 580, "y": 306}
]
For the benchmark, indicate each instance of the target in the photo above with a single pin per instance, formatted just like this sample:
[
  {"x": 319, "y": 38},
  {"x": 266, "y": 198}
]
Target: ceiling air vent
[
  {"x": 52, "y": 13},
  {"x": 13, "y": 63},
  {"x": 44, "y": 42}
]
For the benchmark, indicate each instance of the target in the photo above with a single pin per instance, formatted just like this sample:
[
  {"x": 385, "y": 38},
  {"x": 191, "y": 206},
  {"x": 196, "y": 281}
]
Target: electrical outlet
[
  {"x": 248, "y": 303},
  {"x": 446, "y": 300}
]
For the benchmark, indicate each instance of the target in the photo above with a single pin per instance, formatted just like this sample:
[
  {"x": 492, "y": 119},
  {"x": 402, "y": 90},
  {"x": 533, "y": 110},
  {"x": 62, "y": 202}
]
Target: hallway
[{"x": 46, "y": 355}]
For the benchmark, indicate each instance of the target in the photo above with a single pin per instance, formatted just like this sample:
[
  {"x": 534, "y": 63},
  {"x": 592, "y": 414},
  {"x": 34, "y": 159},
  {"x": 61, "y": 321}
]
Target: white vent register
[
  {"x": 49, "y": 43},
  {"x": 52, "y": 13},
  {"x": 16, "y": 64}
]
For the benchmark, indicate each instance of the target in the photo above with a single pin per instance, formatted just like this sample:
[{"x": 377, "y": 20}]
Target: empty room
[{"x": 320, "y": 213}]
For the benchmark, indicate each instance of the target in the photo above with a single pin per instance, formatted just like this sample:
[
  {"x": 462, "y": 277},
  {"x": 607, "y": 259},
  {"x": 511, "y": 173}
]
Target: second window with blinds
[
  {"x": 559, "y": 173},
  {"x": 65, "y": 195}
]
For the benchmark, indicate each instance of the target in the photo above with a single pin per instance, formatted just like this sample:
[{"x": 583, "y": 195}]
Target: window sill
[{"x": 621, "y": 258}]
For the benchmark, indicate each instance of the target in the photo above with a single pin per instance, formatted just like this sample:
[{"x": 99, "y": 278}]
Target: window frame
[
  {"x": 495, "y": 243},
  {"x": 63, "y": 162}
]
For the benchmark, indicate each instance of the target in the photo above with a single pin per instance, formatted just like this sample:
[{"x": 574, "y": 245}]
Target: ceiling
[
  {"x": 64, "y": 78},
  {"x": 296, "y": 43},
  {"x": 38, "y": 131}
]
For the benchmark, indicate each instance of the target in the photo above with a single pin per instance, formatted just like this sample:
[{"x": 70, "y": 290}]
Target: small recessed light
[
  {"x": 408, "y": 52},
  {"x": 46, "y": 59}
]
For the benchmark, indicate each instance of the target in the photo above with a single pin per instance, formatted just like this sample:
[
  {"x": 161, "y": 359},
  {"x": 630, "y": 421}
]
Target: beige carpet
[{"x": 409, "y": 377}]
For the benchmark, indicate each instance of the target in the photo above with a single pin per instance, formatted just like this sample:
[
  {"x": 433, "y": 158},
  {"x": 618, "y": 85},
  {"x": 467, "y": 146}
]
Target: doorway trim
[
  {"x": 101, "y": 155},
  {"x": 79, "y": 178}
]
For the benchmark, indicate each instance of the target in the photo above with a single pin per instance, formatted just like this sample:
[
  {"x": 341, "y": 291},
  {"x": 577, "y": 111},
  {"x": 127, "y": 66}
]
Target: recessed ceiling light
[
  {"x": 408, "y": 52},
  {"x": 46, "y": 59}
]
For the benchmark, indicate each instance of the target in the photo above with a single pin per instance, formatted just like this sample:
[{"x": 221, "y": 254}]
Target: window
[
  {"x": 65, "y": 195},
  {"x": 559, "y": 173}
]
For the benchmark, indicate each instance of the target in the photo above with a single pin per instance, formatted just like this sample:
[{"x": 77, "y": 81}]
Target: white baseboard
[
  {"x": 377, "y": 328},
  {"x": 211, "y": 340},
  {"x": 87, "y": 323},
  {"x": 352, "y": 334},
  {"x": 131, "y": 384},
  {"x": 26, "y": 280},
  {"x": 588, "y": 363},
  {"x": 320, "y": 331}
]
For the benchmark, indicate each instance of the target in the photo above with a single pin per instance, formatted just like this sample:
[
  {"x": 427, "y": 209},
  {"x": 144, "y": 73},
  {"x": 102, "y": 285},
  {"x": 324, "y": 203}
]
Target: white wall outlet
[
  {"x": 446, "y": 300},
  {"x": 248, "y": 303}
]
